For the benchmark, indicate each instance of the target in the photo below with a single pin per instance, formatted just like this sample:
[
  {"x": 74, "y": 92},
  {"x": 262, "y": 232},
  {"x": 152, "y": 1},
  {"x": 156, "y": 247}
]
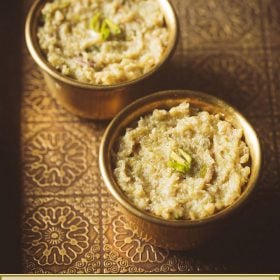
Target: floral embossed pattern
[
  {"x": 38, "y": 102},
  {"x": 55, "y": 158},
  {"x": 232, "y": 78},
  {"x": 125, "y": 252},
  {"x": 222, "y": 21},
  {"x": 55, "y": 236},
  {"x": 139, "y": 251}
]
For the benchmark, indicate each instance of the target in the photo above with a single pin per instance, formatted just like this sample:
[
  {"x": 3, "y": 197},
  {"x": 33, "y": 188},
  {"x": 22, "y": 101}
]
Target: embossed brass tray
[
  {"x": 181, "y": 234},
  {"x": 227, "y": 48}
]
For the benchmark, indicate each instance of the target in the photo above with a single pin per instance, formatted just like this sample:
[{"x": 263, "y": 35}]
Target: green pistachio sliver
[
  {"x": 177, "y": 166},
  {"x": 187, "y": 166},
  {"x": 183, "y": 168},
  {"x": 105, "y": 31},
  {"x": 95, "y": 22},
  {"x": 181, "y": 163},
  {"x": 104, "y": 26},
  {"x": 115, "y": 29},
  {"x": 177, "y": 158},
  {"x": 185, "y": 155}
]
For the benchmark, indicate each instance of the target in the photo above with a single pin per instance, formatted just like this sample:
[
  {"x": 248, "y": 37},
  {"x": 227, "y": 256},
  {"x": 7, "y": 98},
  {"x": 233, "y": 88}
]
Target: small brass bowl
[
  {"x": 93, "y": 101},
  {"x": 181, "y": 234}
]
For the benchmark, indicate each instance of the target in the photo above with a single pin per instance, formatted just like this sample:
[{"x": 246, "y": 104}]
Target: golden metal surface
[
  {"x": 237, "y": 61},
  {"x": 183, "y": 234},
  {"x": 94, "y": 101}
]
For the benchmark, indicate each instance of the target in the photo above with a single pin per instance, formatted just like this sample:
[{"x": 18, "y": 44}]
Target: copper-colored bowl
[
  {"x": 92, "y": 101},
  {"x": 181, "y": 234}
]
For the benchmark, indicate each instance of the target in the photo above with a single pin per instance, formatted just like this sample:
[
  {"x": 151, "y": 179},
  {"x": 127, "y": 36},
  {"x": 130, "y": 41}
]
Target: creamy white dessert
[
  {"x": 103, "y": 42},
  {"x": 182, "y": 164}
]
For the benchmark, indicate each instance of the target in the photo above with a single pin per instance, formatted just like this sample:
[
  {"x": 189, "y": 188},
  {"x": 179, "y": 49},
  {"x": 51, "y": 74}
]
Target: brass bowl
[
  {"x": 93, "y": 101},
  {"x": 181, "y": 234}
]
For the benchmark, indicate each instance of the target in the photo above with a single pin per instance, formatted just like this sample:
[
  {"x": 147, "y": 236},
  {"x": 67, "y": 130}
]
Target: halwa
[
  {"x": 103, "y": 42},
  {"x": 183, "y": 163}
]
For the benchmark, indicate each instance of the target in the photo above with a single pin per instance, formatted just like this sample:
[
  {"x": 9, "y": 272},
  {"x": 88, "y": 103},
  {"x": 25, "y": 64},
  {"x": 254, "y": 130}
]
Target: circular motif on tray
[
  {"x": 137, "y": 250},
  {"x": 55, "y": 235},
  {"x": 223, "y": 20},
  {"x": 55, "y": 158},
  {"x": 231, "y": 78}
]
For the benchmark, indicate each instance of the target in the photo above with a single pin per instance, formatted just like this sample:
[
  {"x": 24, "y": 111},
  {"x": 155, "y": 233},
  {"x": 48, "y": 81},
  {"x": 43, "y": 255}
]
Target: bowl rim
[
  {"x": 127, "y": 205},
  {"x": 34, "y": 50}
]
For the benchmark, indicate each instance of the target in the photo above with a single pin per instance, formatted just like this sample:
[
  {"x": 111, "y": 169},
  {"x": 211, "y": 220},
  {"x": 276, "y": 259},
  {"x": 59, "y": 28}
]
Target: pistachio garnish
[
  {"x": 104, "y": 26},
  {"x": 180, "y": 161}
]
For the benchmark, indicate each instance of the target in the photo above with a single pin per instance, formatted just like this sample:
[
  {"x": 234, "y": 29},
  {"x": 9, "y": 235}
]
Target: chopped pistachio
[
  {"x": 181, "y": 163},
  {"x": 177, "y": 166},
  {"x": 177, "y": 158},
  {"x": 105, "y": 31},
  {"x": 104, "y": 26},
  {"x": 186, "y": 156},
  {"x": 95, "y": 22},
  {"x": 115, "y": 29}
]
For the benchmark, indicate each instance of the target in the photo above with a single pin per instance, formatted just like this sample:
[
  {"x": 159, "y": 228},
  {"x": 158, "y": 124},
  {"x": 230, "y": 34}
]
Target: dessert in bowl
[
  {"x": 96, "y": 55},
  {"x": 180, "y": 163}
]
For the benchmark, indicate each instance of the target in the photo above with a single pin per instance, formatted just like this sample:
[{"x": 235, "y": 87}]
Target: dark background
[{"x": 10, "y": 34}]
